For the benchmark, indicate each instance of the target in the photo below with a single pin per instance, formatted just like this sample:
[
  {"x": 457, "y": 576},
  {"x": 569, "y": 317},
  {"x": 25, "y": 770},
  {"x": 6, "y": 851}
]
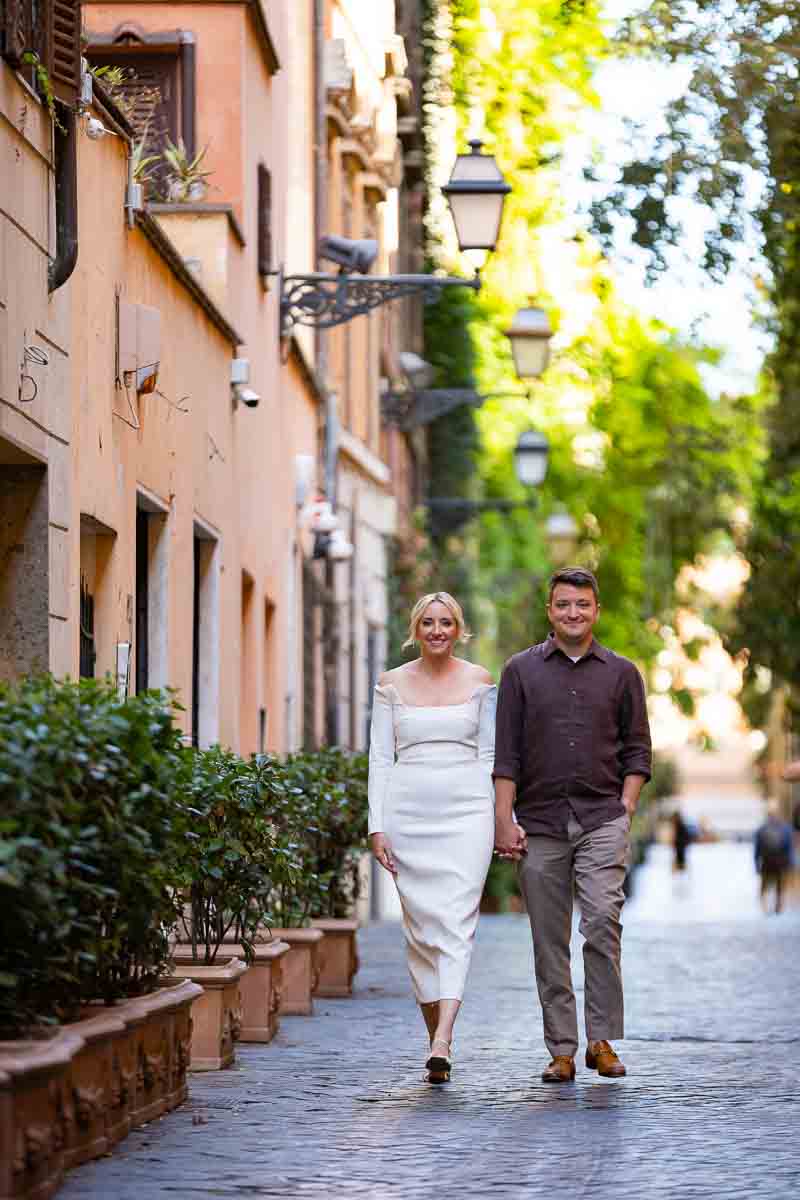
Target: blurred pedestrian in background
[
  {"x": 681, "y": 839},
  {"x": 774, "y": 854}
]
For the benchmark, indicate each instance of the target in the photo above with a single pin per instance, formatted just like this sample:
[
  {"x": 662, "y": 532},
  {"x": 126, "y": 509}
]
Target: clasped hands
[{"x": 510, "y": 840}]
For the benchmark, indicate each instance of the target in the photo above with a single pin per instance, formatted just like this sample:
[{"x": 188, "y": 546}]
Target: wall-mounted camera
[{"x": 240, "y": 379}]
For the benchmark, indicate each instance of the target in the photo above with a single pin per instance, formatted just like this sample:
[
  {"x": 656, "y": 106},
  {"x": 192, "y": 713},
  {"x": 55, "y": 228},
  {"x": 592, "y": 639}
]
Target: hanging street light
[
  {"x": 531, "y": 457},
  {"x": 561, "y": 531},
  {"x": 476, "y": 193},
  {"x": 530, "y": 335}
]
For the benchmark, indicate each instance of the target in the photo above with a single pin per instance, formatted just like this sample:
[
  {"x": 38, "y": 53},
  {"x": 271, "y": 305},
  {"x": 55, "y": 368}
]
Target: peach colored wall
[
  {"x": 221, "y": 32},
  {"x": 186, "y": 460},
  {"x": 247, "y": 116},
  {"x": 41, "y": 428}
]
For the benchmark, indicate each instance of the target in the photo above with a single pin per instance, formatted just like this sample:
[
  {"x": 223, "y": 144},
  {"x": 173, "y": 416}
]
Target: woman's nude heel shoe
[{"x": 439, "y": 1066}]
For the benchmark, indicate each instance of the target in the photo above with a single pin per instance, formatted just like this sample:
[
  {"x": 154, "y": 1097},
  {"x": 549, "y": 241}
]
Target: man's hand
[
  {"x": 383, "y": 852},
  {"x": 510, "y": 839},
  {"x": 631, "y": 787}
]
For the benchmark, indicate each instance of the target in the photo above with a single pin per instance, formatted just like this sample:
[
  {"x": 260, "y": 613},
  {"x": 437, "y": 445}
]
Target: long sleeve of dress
[
  {"x": 381, "y": 757},
  {"x": 486, "y": 728}
]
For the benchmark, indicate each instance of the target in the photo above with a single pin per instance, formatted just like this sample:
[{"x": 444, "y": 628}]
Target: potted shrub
[
  {"x": 185, "y": 178},
  {"x": 286, "y": 794},
  {"x": 228, "y": 864},
  {"x": 87, "y": 793},
  {"x": 340, "y": 780}
]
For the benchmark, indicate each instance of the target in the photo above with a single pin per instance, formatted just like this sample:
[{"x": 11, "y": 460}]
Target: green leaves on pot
[{"x": 86, "y": 793}]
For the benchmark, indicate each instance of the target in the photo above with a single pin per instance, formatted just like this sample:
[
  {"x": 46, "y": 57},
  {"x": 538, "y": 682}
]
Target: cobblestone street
[{"x": 338, "y": 1106}]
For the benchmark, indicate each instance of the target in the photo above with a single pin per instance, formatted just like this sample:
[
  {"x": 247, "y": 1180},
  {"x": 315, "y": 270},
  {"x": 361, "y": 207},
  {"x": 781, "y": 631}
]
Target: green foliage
[
  {"x": 230, "y": 859},
  {"x": 665, "y": 780},
  {"x": 737, "y": 118},
  {"x": 647, "y": 463},
  {"x": 335, "y": 781},
  {"x": 86, "y": 793},
  {"x": 113, "y": 835}
]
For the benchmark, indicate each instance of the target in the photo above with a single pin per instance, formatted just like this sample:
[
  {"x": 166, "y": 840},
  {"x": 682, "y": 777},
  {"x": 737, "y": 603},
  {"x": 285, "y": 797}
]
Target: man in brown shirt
[{"x": 571, "y": 755}]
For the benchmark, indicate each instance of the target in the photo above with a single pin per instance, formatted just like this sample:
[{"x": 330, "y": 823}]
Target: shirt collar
[{"x": 599, "y": 652}]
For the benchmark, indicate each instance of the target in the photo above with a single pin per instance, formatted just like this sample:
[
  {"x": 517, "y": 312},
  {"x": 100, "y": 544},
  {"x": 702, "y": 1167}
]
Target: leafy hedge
[
  {"x": 87, "y": 796},
  {"x": 114, "y": 837}
]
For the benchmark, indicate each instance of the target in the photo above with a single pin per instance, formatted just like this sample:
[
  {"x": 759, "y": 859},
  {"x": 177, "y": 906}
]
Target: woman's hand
[{"x": 383, "y": 852}]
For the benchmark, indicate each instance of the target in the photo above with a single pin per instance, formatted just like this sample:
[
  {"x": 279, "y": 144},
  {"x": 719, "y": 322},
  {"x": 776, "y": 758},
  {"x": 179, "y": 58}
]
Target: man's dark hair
[{"x": 577, "y": 576}]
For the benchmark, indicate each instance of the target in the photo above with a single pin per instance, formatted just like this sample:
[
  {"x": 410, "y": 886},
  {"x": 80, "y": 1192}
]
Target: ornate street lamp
[
  {"x": 530, "y": 335},
  {"x": 476, "y": 191},
  {"x": 530, "y": 458},
  {"x": 530, "y": 464}
]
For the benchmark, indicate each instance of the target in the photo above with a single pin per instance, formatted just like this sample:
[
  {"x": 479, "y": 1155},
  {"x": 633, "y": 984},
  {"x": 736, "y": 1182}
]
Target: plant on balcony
[
  {"x": 184, "y": 178},
  {"x": 231, "y": 860},
  {"x": 87, "y": 796}
]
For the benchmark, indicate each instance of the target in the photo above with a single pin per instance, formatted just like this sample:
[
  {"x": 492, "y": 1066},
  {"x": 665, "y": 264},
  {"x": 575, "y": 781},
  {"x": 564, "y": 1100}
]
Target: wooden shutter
[
  {"x": 16, "y": 24},
  {"x": 63, "y": 59},
  {"x": 264, "y": 221}
]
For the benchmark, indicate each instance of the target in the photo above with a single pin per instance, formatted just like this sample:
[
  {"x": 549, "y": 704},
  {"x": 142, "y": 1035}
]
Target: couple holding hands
[{"x": 546, "y": 770}]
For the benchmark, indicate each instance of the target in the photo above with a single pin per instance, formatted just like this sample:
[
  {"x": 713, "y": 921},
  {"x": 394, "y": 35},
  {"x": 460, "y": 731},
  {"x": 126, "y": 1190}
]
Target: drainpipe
[
  {"x": 65, "y": 154},
  {"x": 330, "y": 429}
]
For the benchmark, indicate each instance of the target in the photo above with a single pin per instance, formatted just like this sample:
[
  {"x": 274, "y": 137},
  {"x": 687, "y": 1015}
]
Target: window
[
  {"x": 264, "y": 222},
  {"x": 157, "y": 89}
]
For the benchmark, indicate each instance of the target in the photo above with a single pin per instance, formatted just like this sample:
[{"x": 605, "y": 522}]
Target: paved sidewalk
[{"x": 338, "y": 1106}]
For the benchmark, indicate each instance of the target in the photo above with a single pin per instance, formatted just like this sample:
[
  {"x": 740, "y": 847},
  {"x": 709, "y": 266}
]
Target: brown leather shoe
[
  {"x": 561, "y": 1070},
  {"x": 601, "y": 1058}
]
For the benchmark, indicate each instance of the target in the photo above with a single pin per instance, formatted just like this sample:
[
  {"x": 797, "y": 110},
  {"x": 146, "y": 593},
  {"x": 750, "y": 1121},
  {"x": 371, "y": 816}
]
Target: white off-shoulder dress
[{"x": 431, "y": 794}]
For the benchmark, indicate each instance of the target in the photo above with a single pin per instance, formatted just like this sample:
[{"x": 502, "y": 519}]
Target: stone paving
[{"x": 338, "y": 1107}]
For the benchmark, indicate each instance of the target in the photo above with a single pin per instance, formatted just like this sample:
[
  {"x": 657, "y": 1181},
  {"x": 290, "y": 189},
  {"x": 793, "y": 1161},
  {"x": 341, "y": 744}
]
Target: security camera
[
  {"x": 248, "y": 397},
  {"x": 351, "y": 255},
  {"x": 95, "y": 129}
]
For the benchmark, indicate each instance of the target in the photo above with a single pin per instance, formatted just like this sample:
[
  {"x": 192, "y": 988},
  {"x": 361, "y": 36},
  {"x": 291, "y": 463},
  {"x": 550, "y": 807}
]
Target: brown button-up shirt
[{"x": 568, "y": 733}]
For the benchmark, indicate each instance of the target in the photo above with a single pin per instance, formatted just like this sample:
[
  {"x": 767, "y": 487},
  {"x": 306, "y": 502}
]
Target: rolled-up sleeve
[
  {"x": 635, "y": 756},
  {"x": 381, "y": 758},
  {"x": 508, "y": 734}
]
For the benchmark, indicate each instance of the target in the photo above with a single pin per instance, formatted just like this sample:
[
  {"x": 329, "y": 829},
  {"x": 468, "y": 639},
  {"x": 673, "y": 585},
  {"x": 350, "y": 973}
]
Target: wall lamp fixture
[{"x": 476, "y": 192}]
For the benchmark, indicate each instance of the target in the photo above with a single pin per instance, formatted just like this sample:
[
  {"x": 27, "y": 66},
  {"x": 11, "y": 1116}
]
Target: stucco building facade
[{"x": 153, "y": 522}]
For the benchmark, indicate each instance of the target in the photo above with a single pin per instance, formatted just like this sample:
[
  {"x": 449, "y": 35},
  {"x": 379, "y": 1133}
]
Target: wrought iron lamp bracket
[{"x": 324, "y": 301}]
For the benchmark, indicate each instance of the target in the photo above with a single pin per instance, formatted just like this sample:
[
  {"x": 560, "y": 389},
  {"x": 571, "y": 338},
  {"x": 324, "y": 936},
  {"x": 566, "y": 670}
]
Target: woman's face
[{"x": 437, "y": 631}]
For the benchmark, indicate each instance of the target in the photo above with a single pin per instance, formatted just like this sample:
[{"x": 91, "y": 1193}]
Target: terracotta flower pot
[
  {"x": 261, "y": 990},
  {"x": 340, "y": 960},
  {"x": 302, "y": 967},
  {"x": 217, "y": 1013},
  {"x": 69, "y": 1098}
]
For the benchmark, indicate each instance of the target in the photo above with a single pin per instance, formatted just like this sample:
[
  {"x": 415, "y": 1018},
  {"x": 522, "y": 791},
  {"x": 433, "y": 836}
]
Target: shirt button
[{"x": 572, "y": 743}]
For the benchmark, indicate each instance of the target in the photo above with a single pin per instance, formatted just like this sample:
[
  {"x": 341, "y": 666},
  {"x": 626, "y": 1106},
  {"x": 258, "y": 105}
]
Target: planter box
[
  {"x": 71, "y": 1097},
  {"x": 302, "y": 967},
  {"x": 340, "y": 960},
  {"x": 261, "y": 990},
  {"x": 217, "y": 1013}
]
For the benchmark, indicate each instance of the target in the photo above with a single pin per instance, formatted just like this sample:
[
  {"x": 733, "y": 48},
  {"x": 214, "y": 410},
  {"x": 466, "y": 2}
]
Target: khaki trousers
[{"x": 594, "y": 864}]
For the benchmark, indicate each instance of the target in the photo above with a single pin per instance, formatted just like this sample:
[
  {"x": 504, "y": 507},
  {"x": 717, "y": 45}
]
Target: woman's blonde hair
[{"x": 450, "y": 602}]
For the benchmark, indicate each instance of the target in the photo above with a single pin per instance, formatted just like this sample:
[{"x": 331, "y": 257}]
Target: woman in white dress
[{"x": 431, "y": 808}]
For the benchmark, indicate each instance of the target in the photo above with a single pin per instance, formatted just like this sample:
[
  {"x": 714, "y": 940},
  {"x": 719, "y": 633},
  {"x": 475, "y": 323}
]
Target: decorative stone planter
[
  {"x": 72, "y": 1096},
  {"x": 217, "y": 1013},
  {"x": 340, "y": 960},
  {"x": 302, "y": 967},
  {"x": 261, "y": 990}
]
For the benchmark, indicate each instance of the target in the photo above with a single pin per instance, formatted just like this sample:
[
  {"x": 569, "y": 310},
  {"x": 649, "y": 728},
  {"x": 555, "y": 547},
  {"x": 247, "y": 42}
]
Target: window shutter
[
  {"x": 63, "y": 59},
  {"x": 16, "y": 25},
  {"x": 264, "y": 221}
]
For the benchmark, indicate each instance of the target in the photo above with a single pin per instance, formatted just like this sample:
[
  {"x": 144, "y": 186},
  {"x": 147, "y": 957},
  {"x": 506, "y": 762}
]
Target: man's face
[{"x": 573, "y": 612}]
